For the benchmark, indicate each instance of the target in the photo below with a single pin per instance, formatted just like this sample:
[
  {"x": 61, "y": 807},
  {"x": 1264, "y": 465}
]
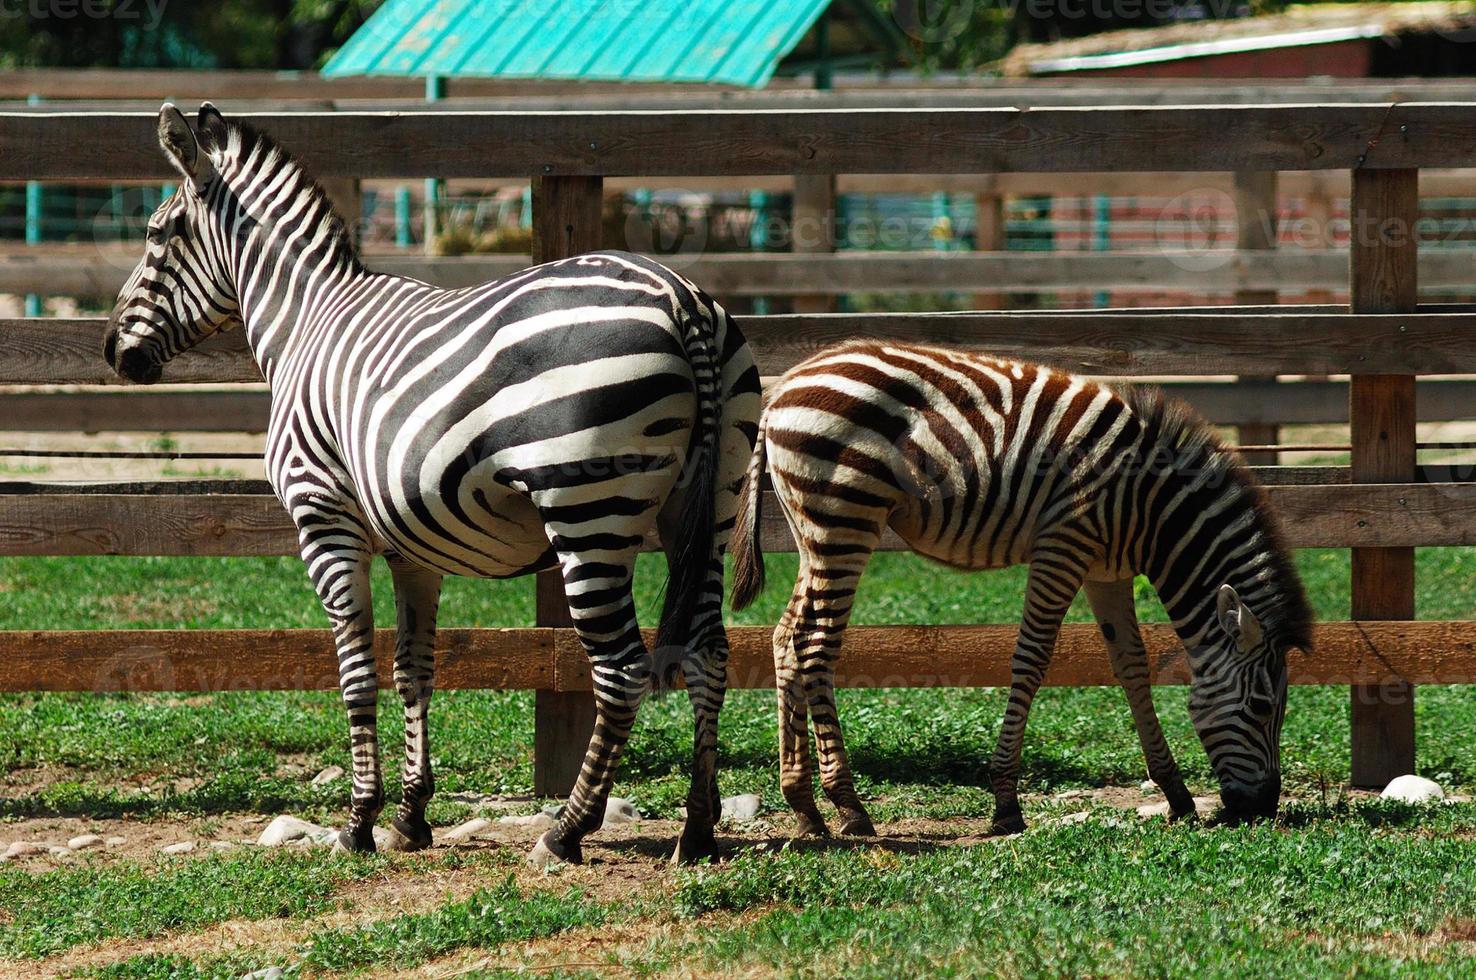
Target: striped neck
[
  {"x": 1205, "y": 524},
  {"x": 289, "y": 252}
]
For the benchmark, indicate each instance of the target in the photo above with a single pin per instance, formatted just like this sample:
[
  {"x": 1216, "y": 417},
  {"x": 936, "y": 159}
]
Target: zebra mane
[
  {"x": 1284, "y": 614},
  {"x": 238, "y": 141}
]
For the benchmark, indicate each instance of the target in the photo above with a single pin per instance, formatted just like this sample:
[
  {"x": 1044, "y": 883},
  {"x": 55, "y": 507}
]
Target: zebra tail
[
  {"x": 748, "y": 552},
  {"x": 697, "y": 523}
]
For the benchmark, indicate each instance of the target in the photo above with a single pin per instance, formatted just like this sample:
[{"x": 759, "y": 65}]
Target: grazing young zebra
[
  {"x": 982, "y": 463},
  {"x": 554, "y": 418}
]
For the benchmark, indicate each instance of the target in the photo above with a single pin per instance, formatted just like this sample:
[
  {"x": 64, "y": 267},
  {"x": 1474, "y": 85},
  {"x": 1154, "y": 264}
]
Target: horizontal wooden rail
[
  {"x": 255, "y": 524},
  {"x": 172, "y": 83},
  {"x": 199, "y": 409},
  {"x": 546, "y": 659},
  {"x": 61, "y": 350},
  {"x": 102, "y": 272},
  {"x": 41, "y": 146},
  {"x": 106, "y": 86}
]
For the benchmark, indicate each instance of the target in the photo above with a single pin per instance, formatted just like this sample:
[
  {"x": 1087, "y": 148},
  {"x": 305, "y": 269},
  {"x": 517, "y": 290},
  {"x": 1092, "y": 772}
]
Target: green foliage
[
  {"x": 1098, "y": 898},
  {"x": 486, "y": 920},
  {"x": 269, "y": 34},
  {"x": 54, "y": 910}
]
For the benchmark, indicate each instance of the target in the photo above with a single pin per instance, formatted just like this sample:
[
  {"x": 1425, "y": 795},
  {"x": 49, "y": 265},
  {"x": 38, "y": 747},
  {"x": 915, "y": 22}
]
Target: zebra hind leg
[
  {"x": 823, "y": 621},
  {"x": 1056, "y": 575},
  {"x": 417, "y": 597},
  {"x": 1112, "y": 605},
  {"x": 603, "y": 610},
  {"x": 705, "y": 669},
  {"x": 796, "y": 779}
]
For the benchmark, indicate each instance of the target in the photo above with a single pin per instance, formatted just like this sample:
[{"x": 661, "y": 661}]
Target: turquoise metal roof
[{"x": 733, "y": 42}]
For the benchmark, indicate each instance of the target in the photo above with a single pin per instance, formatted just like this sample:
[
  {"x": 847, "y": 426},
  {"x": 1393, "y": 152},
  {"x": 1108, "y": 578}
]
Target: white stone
[
  {"x": 328, "y": 775},
  {"x": 618, "y": 811},
  {"x": 183, "y": 847},
  {"x": 1081, "y": 816},
  {"x": 223, "y": 845},
  {"x": 115, "y": 841},
  {"x": 270, "y": 973},
  {"x": 466, "y": 831},
  {"x": 1413, "y": 789},
  {"x": 1203, "y": 806},
  {"x": 20, "y": 849},
  {"x": 536, "y": 821},
  {"x": 288, "y": 829},
  {"x": 741, "y": 809},
  {"x": 57, "y": 851},
  {"x": 1148, "y": 786},
  {"x": 84, "y": 841}
]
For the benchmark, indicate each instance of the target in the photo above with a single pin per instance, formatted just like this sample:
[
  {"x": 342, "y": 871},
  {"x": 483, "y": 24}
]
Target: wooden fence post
[
  {"x": 1383, "y": 266},
  {"x": 989, "y": 236},
  {"x": 812, "y": 229},
  {"x": 566, "y": 221},
  {"x": 1255, "y": 230}
]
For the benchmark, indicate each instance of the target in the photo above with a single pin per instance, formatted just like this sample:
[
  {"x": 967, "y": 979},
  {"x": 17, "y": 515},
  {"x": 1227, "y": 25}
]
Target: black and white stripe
[
  {"x": 982, "y": 463},
  {"x": 557, "y": 418}
]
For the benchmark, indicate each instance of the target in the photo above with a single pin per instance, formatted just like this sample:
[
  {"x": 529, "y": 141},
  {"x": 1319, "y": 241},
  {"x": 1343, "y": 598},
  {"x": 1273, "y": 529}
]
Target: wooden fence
[{"x": 1381, "y": 507}]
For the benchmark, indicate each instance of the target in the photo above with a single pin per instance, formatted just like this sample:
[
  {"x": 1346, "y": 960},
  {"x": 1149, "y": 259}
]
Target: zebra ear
[
  {"x": 178, "y": 142},
  {"x": 1236, "y": 619},
  {"x": 211, "y": 126}
]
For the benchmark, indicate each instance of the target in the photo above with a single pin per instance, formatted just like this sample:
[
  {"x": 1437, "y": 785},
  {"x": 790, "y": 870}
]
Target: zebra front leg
[
  {"x": 796, "y": 780},
  {"x": 1055, "y": 577},
  {"x": 603, "y": 611},
  {"x": 705, "y": 669},
  {"x": 417, "y": 598},
  {"x": 1112, "y": 604},
  {"x": 338, "y": 558}
]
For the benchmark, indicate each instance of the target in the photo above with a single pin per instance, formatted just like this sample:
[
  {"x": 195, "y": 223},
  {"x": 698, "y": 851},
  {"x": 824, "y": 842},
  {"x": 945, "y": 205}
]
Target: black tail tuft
[{"x": 692, "y": 556}]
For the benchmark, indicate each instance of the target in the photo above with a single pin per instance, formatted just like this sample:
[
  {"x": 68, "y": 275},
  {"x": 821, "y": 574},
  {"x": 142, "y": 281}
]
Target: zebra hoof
[
  {"x": 408, "y": 835},
  {"x": 549, "y": 854},
  {"x": 810, "y": 825},
  {"x": 1008, "y": 824},
  {"x": 694, "y": 847},
  {"x": 351, "y": 842},
  {"x": 857, "y": 824}
]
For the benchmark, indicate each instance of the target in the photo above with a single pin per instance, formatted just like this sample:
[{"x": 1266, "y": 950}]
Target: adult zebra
[
  {"x": 553, "y": 418},
  {"x": 982, "y": 463}
]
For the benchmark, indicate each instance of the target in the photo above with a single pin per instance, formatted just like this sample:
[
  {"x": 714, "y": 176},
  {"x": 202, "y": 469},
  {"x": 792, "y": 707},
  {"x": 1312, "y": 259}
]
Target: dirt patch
[
  {"x": 1458, "y": 931},
  {"x": 141, "y": 839}
]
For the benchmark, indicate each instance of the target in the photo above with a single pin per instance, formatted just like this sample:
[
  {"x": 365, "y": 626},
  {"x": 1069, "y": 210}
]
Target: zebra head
[
  {"x": 181, "y": 291},
  {"x": 1237, "y": 700}
]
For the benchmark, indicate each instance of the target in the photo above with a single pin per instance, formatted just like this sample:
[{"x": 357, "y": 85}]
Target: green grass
[
  {"x": 1328, "y": 890},
  {"x": 1368, "y": 890},
  {"x": 54, "y": 910},
  {"x": 1341, "y": 893}
]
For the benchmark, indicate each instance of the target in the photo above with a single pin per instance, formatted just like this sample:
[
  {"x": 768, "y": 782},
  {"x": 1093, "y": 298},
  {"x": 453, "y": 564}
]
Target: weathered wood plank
[
  {"x": 257, "y": 660},
  {"x": 134, "y": 410},
  {"x": 1384, "y": 210},
  {"x": 147, "y": 410},
  {"x": 979, "y": 656},
  {"x": 1136, "y": 343},
  {"x": 247, "y": 524},
  {"x": 566, "y": 222},
  {"x": 551, "y": 660},
  {"x": 35, "y": 146}
]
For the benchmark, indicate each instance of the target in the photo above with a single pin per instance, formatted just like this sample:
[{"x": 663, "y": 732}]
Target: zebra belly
[{"x": 501, "y": 537}]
